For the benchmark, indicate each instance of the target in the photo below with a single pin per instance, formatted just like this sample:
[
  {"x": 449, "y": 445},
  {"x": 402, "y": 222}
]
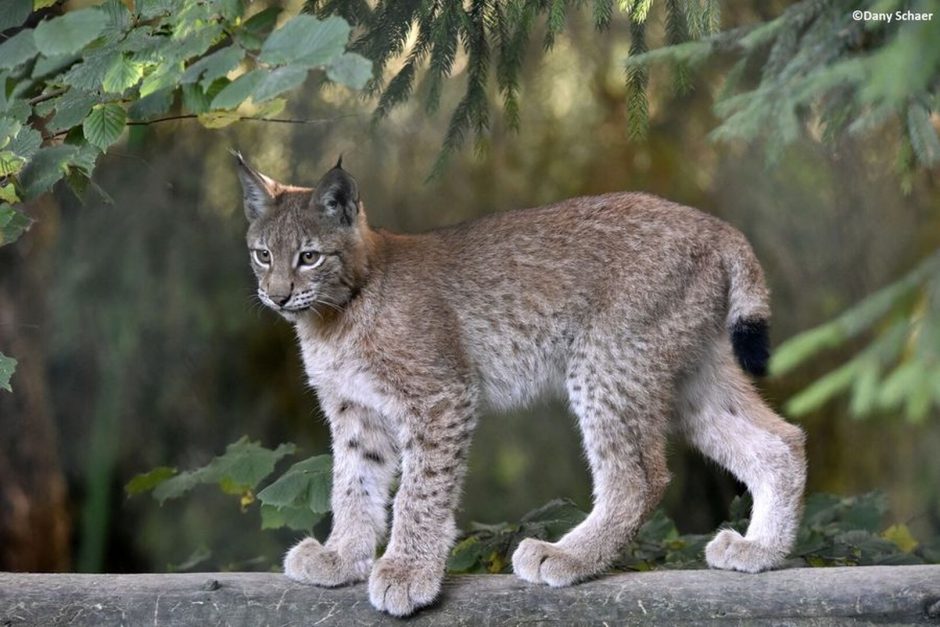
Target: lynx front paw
[
  {"x": 729, "y": 550},
  {"x": 543, "y": 562},
  {"x": 400, "y": 586},
  {"x": 311, "y": 562}
]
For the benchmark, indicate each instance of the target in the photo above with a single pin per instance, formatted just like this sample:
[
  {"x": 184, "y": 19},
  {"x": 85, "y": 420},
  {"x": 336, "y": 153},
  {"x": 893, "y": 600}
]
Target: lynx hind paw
[
  {"x": 311, "y": 562},
  {"x": 400, "y": 587},
  {"x": 729, "y": 550},
  {"x": 543, "y": 562}
]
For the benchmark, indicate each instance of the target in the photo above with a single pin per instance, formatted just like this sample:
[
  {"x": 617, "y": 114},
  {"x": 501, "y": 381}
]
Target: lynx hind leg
[
  {"x": 725, "y": 417},
  {"x": 625, "y": 447}
]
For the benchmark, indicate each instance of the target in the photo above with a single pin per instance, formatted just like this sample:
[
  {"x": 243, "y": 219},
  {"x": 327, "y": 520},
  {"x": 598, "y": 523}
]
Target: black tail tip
[{"x": 751, "y": 342}]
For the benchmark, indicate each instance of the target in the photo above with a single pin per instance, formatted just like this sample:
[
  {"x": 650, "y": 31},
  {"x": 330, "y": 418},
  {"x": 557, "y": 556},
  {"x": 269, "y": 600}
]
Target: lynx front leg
[
  {"x": 409, "y": 575},
  {"x": 364, "y": 462}
]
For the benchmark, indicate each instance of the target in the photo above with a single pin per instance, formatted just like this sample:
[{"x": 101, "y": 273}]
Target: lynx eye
[
  {"x": 310, "y": 258},
  {"x": 262, "y": 256}
]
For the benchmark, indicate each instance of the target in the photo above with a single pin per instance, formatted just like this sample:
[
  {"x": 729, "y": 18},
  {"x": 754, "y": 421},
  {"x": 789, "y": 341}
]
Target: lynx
[{"x": 647, "y": 316}]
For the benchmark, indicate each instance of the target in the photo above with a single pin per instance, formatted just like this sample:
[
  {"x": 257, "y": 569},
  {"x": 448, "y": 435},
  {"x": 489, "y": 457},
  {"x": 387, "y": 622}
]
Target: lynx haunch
[{"x": 645, "y": 315}]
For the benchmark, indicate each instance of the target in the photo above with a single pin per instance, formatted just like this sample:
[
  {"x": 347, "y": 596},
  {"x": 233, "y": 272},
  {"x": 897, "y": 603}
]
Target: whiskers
[
  {"x": 329, "y": 304},
  {"x": 255, "y": 304}
]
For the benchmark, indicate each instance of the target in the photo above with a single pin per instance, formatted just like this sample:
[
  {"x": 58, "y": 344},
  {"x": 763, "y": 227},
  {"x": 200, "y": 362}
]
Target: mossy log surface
[{"x": 801, "y": 596}]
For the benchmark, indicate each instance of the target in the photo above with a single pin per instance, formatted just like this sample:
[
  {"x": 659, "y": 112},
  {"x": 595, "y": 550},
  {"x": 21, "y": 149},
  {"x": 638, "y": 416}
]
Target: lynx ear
[
  {"x": 337, "y": 196},
  {"x": 258, "y": 190}
]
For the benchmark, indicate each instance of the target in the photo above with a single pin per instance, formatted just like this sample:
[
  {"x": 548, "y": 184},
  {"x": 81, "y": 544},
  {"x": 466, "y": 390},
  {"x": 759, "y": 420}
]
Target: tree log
[{"x": 800, "y": 596}]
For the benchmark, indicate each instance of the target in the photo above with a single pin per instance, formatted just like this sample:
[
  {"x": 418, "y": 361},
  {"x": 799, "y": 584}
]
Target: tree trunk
[{"x": 34, "y": 517}]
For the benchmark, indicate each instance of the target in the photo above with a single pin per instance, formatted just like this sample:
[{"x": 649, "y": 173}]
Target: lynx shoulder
[{"x": 646, "y": 315}]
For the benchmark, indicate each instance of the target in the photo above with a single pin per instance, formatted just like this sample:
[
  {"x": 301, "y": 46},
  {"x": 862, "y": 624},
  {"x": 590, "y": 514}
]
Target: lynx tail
[{"x": 748, "y": 306}]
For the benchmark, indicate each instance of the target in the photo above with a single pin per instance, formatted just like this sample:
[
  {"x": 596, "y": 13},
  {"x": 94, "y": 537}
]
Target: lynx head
[{"x": 307, "y": 246}]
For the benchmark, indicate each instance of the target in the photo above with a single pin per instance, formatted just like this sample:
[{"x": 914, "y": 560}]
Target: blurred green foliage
[
  {"x": 297, "y": 499},
  {"x": 835, "y": 531},
  {"x": 495, "y": 37},
  {"x": 899, "y": 369},
  {"x": 7, "y": 366}
]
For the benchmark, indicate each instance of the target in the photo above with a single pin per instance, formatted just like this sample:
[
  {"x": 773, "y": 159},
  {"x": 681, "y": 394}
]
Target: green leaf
[
  {"x": 239, "y": 90},
  {"x": 18, "y": 109},
  {"x": 297, "y": 518},
  {"x": 262, "y": 20},
  {"x": 119, "y": 19},
  {"x": 13, "y": 223},
  {"x": 104, "y": 124},
  {"x": 164, "y": 76},
  {"x": 17, "y": 49},
  {"x": 8, "y": 194},
  {"x": 305, "y": 484},
  {"x": 45, "y": 66},
  {"x": 71, "y": 32},
  {"x": 10, "y": 162},
  {"x": 213, "y": 66},
  {"x": 90, "y": 73},
  {"x": 86, "y": 156},
  {"x": 350, "y": 69},
  {"x": 122, "y": 75},
  {"x": 14, "y": 13},
  {"x": 252, "y": 33},
  {"x": 149, "y": 480},
  {"x": 243, "y": 465},
  {"x": 156, "y": 8},
  {"x": 45, "y": 169},
  {"x": 7, "y": 366},
  {"x": 465, "y": 555},
  {"x": 901, "y": 536},
  {"x": 8, "y": 130},
  {"x": 230, "y": 9},
  {"x": 195, "y": 100},
  {"x": 559, "y": 514},
  {"x": 277, "y": 82},
  {"x": 305, "y": 40},
  {"x": 71, "y": 108},
  {"x": 153, "y": 105},
  {"x": 26, "y": 142}
]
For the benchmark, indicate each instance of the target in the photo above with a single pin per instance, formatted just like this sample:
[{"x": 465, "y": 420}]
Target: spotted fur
[{"x": 624, "y": 304}]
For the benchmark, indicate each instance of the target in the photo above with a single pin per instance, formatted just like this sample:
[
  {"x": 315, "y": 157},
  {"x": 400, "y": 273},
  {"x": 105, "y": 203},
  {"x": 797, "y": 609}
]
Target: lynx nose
[{"x": 279, "y": 299}]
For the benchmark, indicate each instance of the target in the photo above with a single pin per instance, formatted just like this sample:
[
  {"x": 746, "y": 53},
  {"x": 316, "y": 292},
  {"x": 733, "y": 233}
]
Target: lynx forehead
[{"x": 646, "y": 315}]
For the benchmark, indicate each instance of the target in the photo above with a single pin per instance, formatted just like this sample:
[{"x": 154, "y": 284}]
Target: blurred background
[{"x": 141, "y": 343}]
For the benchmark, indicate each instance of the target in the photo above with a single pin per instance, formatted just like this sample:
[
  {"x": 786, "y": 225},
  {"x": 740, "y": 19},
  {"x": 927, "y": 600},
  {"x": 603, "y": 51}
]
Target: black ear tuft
[
  {"x": 339, "y": 163},
  {"x": 337, "y": 196},
  {"x": 258, "y": 190}
]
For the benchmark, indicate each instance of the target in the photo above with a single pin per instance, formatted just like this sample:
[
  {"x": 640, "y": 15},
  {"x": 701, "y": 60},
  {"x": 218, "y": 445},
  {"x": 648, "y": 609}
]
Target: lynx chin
[{"x": 645, "y": 315}]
